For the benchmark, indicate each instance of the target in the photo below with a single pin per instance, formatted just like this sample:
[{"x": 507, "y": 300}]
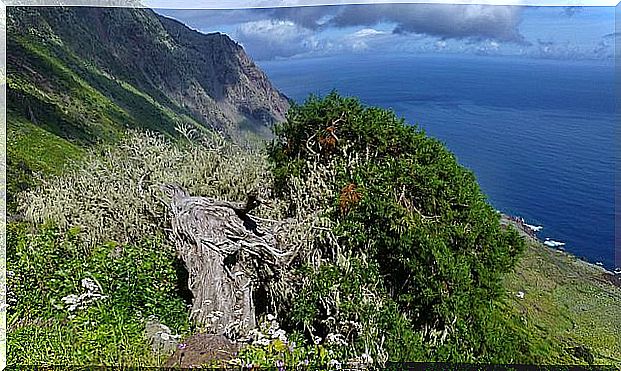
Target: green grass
[
  {"x": 139, "y": 280},
  {"x": 38, "y": 148},
  {"x": 567, "y": 303},
  {"x": 31, "y": 150}
]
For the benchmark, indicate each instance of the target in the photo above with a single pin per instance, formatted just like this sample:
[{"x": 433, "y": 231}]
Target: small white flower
[
  {"x": 520, "y": 295},
  {"x": 317, "y": 340},
  {"x": 336, "y": 339},
  {"x": 262, "y": 342},
  {"x": 90, "y": 285},
  {"x": 271, "y": 317}
]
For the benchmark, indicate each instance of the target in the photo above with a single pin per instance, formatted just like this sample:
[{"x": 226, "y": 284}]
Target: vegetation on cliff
[
  {"x": 414, "y": 229},
  {"x": 80, "y": 76},
  {"x": 357, "y": 291},
  {"x": 397, "y": 254}
]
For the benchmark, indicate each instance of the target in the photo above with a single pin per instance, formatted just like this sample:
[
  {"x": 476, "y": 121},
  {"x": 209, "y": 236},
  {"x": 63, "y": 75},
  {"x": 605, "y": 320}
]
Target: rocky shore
[{"x": 530, "y": 235}]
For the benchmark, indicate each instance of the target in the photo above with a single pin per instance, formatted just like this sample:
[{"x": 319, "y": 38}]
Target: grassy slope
[
  {"x": 58, "y": 105},
  {"x": 568, "y": 302}
]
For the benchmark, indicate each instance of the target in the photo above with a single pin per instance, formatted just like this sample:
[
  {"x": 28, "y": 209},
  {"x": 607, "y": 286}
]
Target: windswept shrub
[
  {"x": 114, "y": 194},
  {"x": 400, "y": 198}
]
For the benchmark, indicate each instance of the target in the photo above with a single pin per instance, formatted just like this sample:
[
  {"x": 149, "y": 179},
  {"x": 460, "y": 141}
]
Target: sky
[{"x": 575, "y": 33}]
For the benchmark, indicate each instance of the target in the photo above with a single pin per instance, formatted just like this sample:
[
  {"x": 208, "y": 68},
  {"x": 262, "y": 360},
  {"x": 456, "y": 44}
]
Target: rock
[{"x": 160, "y": 337}]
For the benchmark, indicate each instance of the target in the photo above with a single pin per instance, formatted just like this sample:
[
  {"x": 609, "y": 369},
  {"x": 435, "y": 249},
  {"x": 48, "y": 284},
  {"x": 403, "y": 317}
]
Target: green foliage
[
  {"x": 404, "y": 201},
  {"x": 47, "y": 265}
]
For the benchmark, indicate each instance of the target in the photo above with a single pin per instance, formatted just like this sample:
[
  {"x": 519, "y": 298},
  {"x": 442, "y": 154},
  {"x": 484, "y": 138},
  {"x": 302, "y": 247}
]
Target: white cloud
[
  {"x": 267, "y": 39},
  {"x": 368, "y": 32}
]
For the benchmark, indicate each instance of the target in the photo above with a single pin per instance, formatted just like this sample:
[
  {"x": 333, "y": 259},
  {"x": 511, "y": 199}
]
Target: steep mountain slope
[{"x": 80, "y": 76}]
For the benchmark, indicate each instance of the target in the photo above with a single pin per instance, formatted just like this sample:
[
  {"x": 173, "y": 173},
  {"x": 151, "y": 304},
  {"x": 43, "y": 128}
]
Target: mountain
[{"x": 81, "y": 75}]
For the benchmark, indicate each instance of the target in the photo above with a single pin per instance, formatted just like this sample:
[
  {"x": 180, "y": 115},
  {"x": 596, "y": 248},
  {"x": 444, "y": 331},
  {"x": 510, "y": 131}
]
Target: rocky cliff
[
  {"x": 82, "y": 75},
  {"x": 208, "y": 77}
]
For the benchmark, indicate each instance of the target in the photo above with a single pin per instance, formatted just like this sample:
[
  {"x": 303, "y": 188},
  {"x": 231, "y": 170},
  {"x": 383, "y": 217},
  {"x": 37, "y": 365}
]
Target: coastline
[{"x": 531, "y": 237}]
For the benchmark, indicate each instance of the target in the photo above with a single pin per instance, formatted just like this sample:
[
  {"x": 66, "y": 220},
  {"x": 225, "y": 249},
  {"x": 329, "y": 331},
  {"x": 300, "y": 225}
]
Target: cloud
[
  {"x": 268, "y": 39},
  {"x": 613, "y": 35},
  {"x": 447, "y": 21},
  {"x": 567, "y": 50},
  {"x": 362, "y": 40},
  {"x": 441, "y": 20},
  {"x": 311, "y": 17},
  {"x": 318, "y": 30},
  {"x": 604, "y": 49},
  {"x": 367, "y": 32}
]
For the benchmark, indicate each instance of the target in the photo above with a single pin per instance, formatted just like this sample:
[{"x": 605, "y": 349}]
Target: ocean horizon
[{"x": 538, "y": 134}]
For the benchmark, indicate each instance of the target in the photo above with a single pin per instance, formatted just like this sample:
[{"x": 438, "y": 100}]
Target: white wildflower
[
  {"x": 337, "y": 339},
  {"x": 78, "y": 302},
  {"x": 262, "y": 342},
  {"x": 90, "y": 285}
]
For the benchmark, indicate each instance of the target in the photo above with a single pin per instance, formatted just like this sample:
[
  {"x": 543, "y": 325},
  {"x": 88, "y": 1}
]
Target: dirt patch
[{"x": 201, "y": 349}]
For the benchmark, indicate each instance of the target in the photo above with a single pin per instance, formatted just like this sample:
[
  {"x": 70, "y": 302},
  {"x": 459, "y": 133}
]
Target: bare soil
[{"x": 201, "y": 349}]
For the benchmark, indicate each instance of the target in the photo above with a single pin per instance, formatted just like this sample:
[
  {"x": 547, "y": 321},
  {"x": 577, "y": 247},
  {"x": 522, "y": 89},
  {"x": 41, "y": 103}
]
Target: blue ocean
[{"x": 538, "y": 134}]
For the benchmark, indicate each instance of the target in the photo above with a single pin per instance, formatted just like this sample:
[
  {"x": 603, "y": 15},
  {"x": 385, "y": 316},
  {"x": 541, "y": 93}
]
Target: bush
[
  {"x": 114, "y": 193},
  {"x": 435, "y": 247}
]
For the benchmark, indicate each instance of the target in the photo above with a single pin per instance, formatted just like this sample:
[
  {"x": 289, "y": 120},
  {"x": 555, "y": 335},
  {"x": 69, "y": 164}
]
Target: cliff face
[
  {"x": 134, "y": 58},
  {"x": 80, "y": 76}
]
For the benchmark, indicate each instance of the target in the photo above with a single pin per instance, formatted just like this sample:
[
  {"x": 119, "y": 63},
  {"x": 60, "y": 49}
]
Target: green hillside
[
  {"x": 395, "y": 253},
  {"x": 70, "y": 86}
]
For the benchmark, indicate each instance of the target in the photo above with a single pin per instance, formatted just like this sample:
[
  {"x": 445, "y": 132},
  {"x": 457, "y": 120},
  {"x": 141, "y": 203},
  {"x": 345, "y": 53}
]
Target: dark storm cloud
[
  {"x": 440, "y": 20},
  {"x": 307, "y": 16}
]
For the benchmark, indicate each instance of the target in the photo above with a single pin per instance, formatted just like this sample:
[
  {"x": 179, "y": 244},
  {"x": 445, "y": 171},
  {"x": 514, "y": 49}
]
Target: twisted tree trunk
[{"x": 215, "y": 240}]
